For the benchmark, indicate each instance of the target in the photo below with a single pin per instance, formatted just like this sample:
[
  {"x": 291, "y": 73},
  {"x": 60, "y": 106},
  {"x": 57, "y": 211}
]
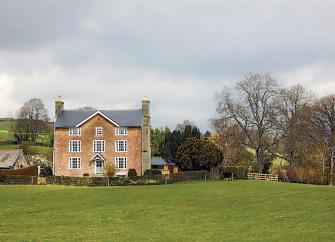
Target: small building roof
[
  {"x": 9, "y": 157},
  {"x": 159, "y": 161},
  {"x": 123, "y": 118}
]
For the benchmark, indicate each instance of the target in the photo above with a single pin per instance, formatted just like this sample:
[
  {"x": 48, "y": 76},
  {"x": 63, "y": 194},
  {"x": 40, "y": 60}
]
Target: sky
[{"x": 109, "y": 54}]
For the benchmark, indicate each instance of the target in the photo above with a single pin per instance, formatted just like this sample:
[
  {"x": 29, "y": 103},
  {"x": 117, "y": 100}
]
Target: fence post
[{"x": 205, "y": 178}]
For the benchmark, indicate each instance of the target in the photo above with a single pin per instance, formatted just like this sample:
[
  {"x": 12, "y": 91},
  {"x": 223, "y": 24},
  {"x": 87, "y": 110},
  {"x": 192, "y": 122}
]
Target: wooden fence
[
  {"x": 28, "y": 171},
  {"x": 259, "y": 176}
]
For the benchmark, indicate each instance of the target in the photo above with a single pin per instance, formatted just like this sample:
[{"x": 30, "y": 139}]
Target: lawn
[{"x": 212, "y": 211}]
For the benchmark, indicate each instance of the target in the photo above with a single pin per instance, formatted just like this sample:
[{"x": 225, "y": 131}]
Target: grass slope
[{"x": 214, "y": 211}]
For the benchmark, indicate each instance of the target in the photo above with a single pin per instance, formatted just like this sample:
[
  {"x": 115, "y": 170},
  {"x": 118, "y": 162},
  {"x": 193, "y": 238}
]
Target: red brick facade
[{"x": 62, "y": 153}]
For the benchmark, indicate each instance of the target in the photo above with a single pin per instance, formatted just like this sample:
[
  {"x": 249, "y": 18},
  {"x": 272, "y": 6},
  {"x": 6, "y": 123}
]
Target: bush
[
  {"x": 46, "y": 171},
  {"x": 132, "y": 173},
  {"x": 109, "y": 169},
  {"x": 308, "y": 173},
  {"x": 26, "y": 147},
  {"x": 152, "y": 172},
  {"x": 238, "y": 171}
]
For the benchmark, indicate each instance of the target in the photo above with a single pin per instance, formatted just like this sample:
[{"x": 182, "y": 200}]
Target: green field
[
  {"x": 212, "y": 211},
  {"x": 4, "y": 131}
]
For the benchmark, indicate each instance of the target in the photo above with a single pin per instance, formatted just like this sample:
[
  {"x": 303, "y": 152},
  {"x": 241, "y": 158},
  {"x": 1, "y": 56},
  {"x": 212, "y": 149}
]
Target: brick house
[{"x": 86, "y": 140}]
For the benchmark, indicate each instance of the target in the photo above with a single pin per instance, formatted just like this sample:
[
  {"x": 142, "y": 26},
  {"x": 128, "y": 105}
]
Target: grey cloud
[{"x": 111, "y": 53}]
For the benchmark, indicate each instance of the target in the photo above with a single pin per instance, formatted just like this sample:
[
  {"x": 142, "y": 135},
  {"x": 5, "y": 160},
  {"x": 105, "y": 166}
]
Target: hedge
[
  {"x": 189, "y": 175},
  {"x": 22, "y": 180},
  {"x": 238, "y": 171},
  {"x": 157, "y": 179},
  {"x": 152, "y": 172}
]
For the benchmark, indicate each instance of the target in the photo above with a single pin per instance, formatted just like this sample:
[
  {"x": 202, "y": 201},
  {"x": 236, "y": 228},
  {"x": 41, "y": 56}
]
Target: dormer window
[
  {"x": 75, "y": 131},
  {"x": 121, "y": 131},
  {"x": 98, "y": 130}
]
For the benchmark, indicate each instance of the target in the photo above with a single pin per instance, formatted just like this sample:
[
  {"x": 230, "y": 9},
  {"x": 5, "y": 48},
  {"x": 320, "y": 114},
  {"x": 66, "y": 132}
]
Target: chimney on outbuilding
[
  {"x": 59, "y": 106},
  {"x": 146, "y": 130}
]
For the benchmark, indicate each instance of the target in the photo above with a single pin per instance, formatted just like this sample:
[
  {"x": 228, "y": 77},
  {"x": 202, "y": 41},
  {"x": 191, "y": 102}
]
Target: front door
[{"x": 98, "y": 167}]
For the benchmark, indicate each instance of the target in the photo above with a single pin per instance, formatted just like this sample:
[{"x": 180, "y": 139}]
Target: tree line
[{"x": 258, "y": 120}]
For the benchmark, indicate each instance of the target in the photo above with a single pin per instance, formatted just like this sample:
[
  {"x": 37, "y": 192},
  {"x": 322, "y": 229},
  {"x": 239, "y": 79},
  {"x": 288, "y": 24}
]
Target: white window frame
[
  {"x": 71, "y": 160},
  {"x": 125, "y": 163},
  {"x": 117, "y": 131},
  {"x": 117, "y": 145},
  {"x": 74, "y": 131},
  {"x": 96, "y": 131},
  {"x": 102, "y": 146},
  {"x": 71, "y": 146}
]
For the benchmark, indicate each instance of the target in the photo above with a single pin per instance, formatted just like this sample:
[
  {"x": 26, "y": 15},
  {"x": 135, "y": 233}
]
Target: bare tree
[
  {"x": 181, "y": 126},
  {"x": 251, "y": 107},
  {"x": 231, "y": 139},
  {"x": 291, "y": 105},
  {"x": 322, "y": 122},
  {"x": 31, "y": 120}
]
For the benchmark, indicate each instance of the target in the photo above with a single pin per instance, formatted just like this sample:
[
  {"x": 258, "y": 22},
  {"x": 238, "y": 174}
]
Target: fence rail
[{"x": 259, "y": 176}]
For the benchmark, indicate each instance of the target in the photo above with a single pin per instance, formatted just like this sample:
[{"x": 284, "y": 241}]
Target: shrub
[
  {"x": 308, "y": 173},
  {"x": 109, "y": 169},
  {"x": 152, "y": 173},
  {"x": 46, "y": 171},
  {"x": 26, "y": 147},
  {"x": 132, "y": 173},
  {"x": 238, "y": 171}
]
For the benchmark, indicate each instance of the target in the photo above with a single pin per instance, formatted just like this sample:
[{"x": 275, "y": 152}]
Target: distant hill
[{"x": 6, "y": 135}]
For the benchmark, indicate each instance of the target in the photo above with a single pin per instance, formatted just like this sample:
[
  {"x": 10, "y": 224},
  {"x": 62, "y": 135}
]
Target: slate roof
[
  {"x": 124, "y": 118},
  {"x": 9, "y": 157},
  {"x": 159, "y": 161}
]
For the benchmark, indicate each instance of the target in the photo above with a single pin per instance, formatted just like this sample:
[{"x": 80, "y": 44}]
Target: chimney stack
[
  {"x": 59, "y": 106},
  {"x": 146, "y": 130},
  {"x": 146, "y": 106}
]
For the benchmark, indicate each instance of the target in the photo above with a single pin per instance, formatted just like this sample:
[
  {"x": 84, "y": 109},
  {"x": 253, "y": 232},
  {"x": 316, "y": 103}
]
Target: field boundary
[{"x": 105, "y": 181}]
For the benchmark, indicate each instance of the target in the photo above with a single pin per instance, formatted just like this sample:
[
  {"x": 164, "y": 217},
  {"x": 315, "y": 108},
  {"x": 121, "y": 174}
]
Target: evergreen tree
[
  {"x": 196, "y": 132},
  {"x": 198, "y": 154}
]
